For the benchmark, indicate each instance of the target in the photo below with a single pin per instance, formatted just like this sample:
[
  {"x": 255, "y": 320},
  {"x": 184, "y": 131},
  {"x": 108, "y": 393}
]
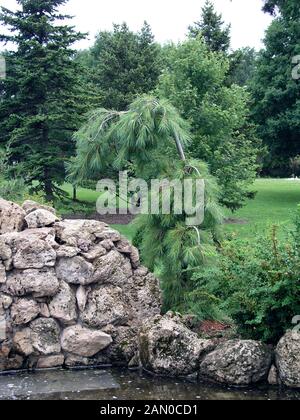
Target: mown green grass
[{"x": 275, "y": 203}]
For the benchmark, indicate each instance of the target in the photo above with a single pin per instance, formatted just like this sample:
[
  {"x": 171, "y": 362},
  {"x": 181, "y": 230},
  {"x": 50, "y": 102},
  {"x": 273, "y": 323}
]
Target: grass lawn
[{"x": 275, "y": 203}]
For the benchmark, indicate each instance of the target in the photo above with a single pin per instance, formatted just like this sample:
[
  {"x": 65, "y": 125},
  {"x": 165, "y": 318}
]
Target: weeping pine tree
[
  {"x": 41, "y": 98},
  {"x": 146, "y": 136}
]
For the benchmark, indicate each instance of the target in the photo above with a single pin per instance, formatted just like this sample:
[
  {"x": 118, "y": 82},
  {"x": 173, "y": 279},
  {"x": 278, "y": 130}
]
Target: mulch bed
[
  {"x": 110, "y": 219},
  {"x": 126, "y": 219},
  {"x": 235, "y": 221}
]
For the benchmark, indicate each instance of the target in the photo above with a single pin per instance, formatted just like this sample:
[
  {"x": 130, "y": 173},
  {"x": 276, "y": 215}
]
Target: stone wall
[{"x": 71, "y": 292}]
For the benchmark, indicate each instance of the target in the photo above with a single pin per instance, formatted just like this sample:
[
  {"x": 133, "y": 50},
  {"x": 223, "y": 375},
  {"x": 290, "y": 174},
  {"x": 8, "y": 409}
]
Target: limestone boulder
[
  {"x": 167, "y": 347},
  {"x": 5, "y": 256},
  {"x": 9, "y": 363},
  {"x": 12, "y": 217},
  {"x": 23, "y": 311},
  {"x": 66, "y": 251},
  {"x": 32, "y": 248},
  {"x": 105, "y": 305},
  {"x": 124, "y": 346},
  {"x": 112, "y": 268},
  {"x": 237, "y": 363},
  {"x": 22, "y": 342},
  {"x": 37, "y": 282},
  {"x": 288, "y": 359},
  {"x": 94, "y": 253},
  {"x": 83, "y": 341},
  {"x": 32, "y": 251},
  {"x": 45, "y": 336},
  {"x": 30, "y": 206},
  {"x": 76, "y": 232},
  {"x": 273, "y": 376},
  {"x": 2, "y": 273},
  {"x": 63, "y": 306},
  {"x": 145, "y": 294},
  {"x": 40, "y": 218},
  {"x": 5, "y": 301},
  {"x": 75, "y": 270},
  {"x": 82, "y": 297},
  {"x": 50, "y": 361}
]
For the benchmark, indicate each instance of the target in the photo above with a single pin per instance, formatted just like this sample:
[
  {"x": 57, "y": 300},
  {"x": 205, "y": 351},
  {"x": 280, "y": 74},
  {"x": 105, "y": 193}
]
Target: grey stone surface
[
  {"x": 83, "y": 341},
  {"x": 288, "y": 359},
  {"x": 167, "y": 347},
  {"x": 237, "y": 362}
]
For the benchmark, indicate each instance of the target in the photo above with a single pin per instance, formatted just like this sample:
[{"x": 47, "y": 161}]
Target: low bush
[{"x": 256, "y": 284}]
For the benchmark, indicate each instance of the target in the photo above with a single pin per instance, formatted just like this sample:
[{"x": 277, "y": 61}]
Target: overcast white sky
[{"x": 169, "y": 18}]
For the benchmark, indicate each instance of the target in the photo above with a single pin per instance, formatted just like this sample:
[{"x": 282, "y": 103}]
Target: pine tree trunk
[
  {"x": 48, "y": 184},
  {"x": 74, "y": 193}
]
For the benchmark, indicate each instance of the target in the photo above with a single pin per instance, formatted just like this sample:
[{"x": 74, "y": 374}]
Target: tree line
[{"x": 242, "y": 106}]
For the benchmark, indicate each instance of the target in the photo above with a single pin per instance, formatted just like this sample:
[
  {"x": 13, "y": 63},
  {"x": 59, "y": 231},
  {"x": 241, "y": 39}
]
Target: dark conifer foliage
[{"x": 41, "y": 99}]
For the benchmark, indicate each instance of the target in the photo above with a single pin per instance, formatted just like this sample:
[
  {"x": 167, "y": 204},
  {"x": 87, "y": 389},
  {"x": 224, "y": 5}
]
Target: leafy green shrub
[
  {"x": 12, "y": 185},
  {"x": 257, "y": 284}
]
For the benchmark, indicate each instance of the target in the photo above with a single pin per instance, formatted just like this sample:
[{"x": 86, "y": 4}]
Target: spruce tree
[
  {"x": 124, "y": 64},
  {"x": 276, "y": 93},
  {"x": 41, "y": 101},
  {"x": 211, "y": 27}
]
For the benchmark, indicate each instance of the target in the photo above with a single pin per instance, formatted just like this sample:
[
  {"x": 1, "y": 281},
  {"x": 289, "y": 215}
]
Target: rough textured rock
[
  {"x": 94, "y": 253},
  {"x": 112, "y": 268},
  {"x": 32, "y": 248},
  {"x": 124, "y": 345},
  {"x": 23, "y": 343},
  {"x": 76, "y": 232},
  {"x": 105, "y": 306},
  {"x": 40, "y": 218},
  {"x": 66, "y": 251},
  {"x": 24, "y": 311},
  {"x": 273, "y": 376},
  {"x": 12, "y": 217},
  {"x": 5, "y": 301},
  {"x": 288, "y": 359},
  {"x": 37, "y": 282},
  {"x": 75, "y": 270},
  {"x": 79, "y": 361},
  {"x": 36, "y": 254},
  {"x": 50, "y": 361},
  {"x": 167, "y": 347},
  {"x": 145, "y": 294},
  {"x": 44, "y": 310},
  {"x": 45, "y": 336},
  {"x": 5, "y": 254},
  {"x": 30, "y": 206},
  {"x": 2, "y": 273},
  {"x": 11, "y": 363},
  {"x": 83, "y": 341},
  {"x": 63, "y": 305},
  {"x": 81, "y": 297},
  {"x": 237, "y": 362}
]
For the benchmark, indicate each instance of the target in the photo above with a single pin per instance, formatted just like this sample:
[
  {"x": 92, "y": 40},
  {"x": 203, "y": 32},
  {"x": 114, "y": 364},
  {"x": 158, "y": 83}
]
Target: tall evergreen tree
[
  {"x": 147, "y": 135},
  {"x": 125, "y": 64},
  {"x": 41, "y": 101},
  {"x": 242, "y": 66},
  {"x": 196, "y": 84},
  {"x": 276, "y": 92},
  {"x": 212, "y": 28}
]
